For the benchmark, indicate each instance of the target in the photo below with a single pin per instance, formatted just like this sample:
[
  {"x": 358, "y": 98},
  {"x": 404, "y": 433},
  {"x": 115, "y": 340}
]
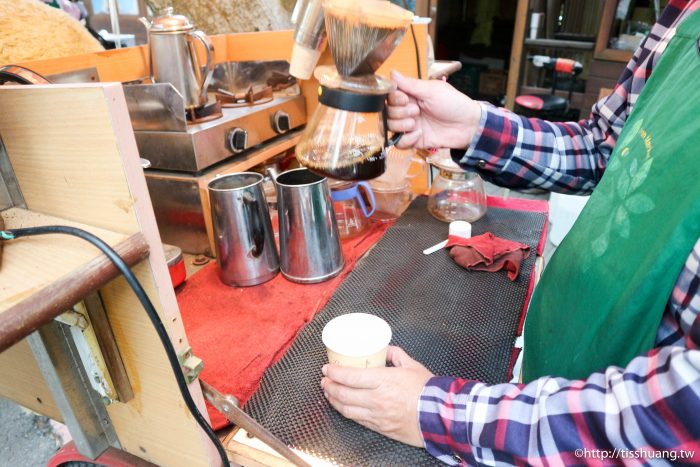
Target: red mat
[{"x": 239, "y": 332}]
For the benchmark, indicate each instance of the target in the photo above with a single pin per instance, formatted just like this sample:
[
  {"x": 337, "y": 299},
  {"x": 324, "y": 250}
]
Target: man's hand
[
  {"x": 432, "y": 114},
  {"x": 382, "y": 399}
]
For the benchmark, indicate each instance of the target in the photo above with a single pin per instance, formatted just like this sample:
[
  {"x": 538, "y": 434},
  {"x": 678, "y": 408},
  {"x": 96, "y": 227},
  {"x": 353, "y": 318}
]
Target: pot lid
[{"x": 168, "y": 22}]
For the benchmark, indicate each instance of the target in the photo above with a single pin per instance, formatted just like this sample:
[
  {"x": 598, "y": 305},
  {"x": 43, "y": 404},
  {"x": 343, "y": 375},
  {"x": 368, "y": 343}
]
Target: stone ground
[{"x": 26, "y": 439}]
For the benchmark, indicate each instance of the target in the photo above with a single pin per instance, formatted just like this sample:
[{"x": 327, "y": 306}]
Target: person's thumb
[{"x": 413, "y": 87}]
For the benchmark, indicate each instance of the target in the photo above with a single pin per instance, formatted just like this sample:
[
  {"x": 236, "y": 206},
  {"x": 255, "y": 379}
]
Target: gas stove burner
[
  {"x": 206, "y": 113},
  {"x": 251, "y": 97}
]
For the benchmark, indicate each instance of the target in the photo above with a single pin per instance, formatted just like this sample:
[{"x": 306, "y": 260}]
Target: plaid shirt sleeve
[
  {"x": 651, "y": 405},
  {"x": 521, "y": 152},
  {"x": 624, "y": 415}
]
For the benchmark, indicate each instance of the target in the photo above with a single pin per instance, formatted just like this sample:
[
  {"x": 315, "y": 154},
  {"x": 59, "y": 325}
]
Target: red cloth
[
  {"x": 487, "y": 252},
  {"x": 226, "y": 325}
]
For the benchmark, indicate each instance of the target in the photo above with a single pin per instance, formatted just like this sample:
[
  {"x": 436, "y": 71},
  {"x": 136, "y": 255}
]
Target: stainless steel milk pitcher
[
  {"x": 244, "y": 239},
  {"x": 309, "y": 241},
  {"x": 171, "y": 42}
]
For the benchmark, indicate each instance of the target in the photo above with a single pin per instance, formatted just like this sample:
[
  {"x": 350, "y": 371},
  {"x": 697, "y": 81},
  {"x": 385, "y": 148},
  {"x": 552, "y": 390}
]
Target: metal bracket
[
  {"x": 191, "y": 366},
  {"x": 97, "y": 349},
  {"x": 86, "y": 75},
  {"x": 80, "y": 406}
]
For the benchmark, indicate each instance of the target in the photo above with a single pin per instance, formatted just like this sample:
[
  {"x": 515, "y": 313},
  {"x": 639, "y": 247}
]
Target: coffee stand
[{"x": 70, "y": 156}]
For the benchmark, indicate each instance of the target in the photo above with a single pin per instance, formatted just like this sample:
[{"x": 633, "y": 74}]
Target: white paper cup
[{"x": 357, "y": 340}]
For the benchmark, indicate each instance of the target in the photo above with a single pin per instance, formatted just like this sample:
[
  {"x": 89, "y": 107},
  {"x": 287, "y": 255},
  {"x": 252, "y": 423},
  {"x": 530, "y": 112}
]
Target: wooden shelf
[
  {"x": 42, "y": 276},
  {"x": 559, "y": 44}
]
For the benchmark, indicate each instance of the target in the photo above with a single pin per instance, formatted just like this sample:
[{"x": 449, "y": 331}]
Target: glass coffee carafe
[
  {"x": 455, "y": 195},
  {"x": 346, "y": 137}
]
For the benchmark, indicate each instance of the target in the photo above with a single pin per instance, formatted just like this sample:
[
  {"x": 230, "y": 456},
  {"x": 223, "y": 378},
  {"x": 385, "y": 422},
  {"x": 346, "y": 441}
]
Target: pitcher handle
[
  {"x": 257, "y": 228},
  {"x": 393, "y": 141},
  {"x": 370, "y": 194},
  {"x": 208, "y": 68}
]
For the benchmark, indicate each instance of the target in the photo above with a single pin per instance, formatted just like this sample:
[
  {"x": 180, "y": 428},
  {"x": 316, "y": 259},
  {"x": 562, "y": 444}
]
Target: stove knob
[
  {"x": 237, "y": 140},
  {"x": 280, "y": 122}
]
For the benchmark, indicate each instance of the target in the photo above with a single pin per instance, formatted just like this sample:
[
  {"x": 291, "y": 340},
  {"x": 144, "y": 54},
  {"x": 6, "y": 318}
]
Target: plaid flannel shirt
[{"x": 628, "y": 415}]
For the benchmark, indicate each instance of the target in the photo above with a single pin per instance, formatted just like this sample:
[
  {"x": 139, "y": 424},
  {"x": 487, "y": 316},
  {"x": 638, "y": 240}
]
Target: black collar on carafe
[{"x": 350, "y": 101}]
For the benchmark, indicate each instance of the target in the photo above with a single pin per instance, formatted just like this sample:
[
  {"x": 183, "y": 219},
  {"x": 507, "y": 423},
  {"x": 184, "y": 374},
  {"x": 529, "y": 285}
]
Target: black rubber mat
[{"x": 454, "y": 321}]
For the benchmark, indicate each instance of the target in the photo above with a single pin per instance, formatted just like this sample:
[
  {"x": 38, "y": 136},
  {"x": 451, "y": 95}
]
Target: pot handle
[
  {"x": 208, "y": 68},
  {"x": 370, "y": 195}
]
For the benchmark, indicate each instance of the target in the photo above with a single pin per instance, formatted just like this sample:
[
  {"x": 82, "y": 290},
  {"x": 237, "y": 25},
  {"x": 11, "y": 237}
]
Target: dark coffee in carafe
[{"x": 370, "y": 164}]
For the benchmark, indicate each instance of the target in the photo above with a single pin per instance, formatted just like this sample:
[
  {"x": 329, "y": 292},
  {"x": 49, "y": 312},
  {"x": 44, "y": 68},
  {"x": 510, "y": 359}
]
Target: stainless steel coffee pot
[
  {"x": 173, "y": 56},
  {"x": 309, "y": 241},
  {"x": 244, "y": 239}
]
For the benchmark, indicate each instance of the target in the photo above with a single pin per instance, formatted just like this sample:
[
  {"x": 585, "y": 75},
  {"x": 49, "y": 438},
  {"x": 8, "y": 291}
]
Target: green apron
[{"x": 601, "y": 298}]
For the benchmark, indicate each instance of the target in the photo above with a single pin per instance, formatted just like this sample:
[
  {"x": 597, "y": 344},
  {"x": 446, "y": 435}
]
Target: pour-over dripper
[
  {"x": 347, "y": 138},
  {"x": 362, "y": 35}
]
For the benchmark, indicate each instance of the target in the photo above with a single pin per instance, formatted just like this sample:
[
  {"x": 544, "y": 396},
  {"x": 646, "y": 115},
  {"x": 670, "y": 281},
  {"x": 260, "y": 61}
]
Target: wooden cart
[{"x": 69, "y": 157}]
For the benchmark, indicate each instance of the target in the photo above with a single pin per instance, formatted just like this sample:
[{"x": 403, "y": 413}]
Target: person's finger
[
  {"x": 347, "y": 395},
  {"x": 353, "y": 377},
  {"x": 403, "y": 125},
  {"x": 418, "y": 88},
  {"x": 409, "y": 140},
  {"x": 403, "y": 111},
  {"x": 398, "y": 357},
  {"x": 360, "y": 414},
  {"x": 398, "y": 98}
]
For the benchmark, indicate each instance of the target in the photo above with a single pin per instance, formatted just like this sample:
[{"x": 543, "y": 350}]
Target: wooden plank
[
  {"x": 63, "y": 150},
  {"x": 75, "y": 157},
  {"x": 23, "y": 383},
  {"x": 613, "y": 55},
  {"x": 516, "y": 54},
  {"x": 39, "y": 262},
  {"x": 606, "y": 69},
  {"x": 121, "y": 65},
  {"x": 56, "y": 272},
  {"x": 606, "y": 21},
  {"x": 602, "y": 52}
]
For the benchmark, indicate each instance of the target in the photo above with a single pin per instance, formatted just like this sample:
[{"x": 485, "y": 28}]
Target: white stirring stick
[
  {"x": 457, "y": 229},
  {"x": 435, "y": 248}
]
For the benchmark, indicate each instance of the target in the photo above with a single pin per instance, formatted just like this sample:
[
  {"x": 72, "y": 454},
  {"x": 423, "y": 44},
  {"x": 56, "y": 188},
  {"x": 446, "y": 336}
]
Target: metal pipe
[{"x": 114, "y": 20}]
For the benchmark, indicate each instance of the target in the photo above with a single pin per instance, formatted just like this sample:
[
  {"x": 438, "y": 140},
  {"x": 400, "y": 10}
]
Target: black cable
[
  {"x": 415, "y": 43},
  {"x": 148, "y": 306}
]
